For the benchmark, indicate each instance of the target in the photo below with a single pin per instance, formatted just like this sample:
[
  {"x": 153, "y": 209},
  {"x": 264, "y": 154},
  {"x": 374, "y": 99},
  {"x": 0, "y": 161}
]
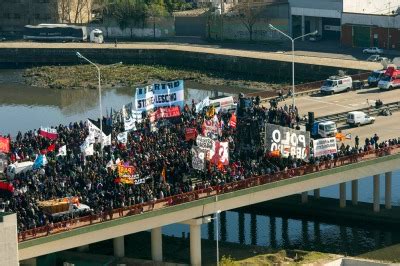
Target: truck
[
  {"x": 64, "y": 206},
  {"x": 391, "y": 79},
  {"x": 357, "y": 118},
  {"x": 323, "y": 129},
  {"x": 375, "y": 77}
]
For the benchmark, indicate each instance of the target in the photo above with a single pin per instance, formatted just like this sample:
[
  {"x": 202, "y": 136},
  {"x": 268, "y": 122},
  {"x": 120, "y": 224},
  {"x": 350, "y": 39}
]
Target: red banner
[
  {"x": 6, "y": 186},
  {"x": 4, "y": 145},
  {"x": 190, "y": 133},
  {"x": 168, "y": 112}
]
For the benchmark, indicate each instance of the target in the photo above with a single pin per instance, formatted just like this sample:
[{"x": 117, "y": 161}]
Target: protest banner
[
  {"x": 169, "y": 93},
  {"x": 205, "y": 143},
  {"x": 50, "y": 133},
  {"x": 123, "y": 137},
  {"x": 125, "y": 171},
  {"x": 198, "y": 158},
  {"x": 220, "y": 153},
  {"x": 190, "y": 134},
  {"x": 144, "y": 98},
  {"x": 324, "y": 146},
  {"x": 4, "y": 145},
  {"x": 167, "y": 112},
  {"x": 210, "y": 128},
  {"x": 288, "y": 141},
  {"x": 204, "y": 103}
]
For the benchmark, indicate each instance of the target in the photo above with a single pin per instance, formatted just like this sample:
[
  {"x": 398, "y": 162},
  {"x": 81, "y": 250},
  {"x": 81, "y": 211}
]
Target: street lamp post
[
  {"x": 79, "y": 55},
  {"x": 217, "y": 232},
  {"x": 292, "y": 39}
]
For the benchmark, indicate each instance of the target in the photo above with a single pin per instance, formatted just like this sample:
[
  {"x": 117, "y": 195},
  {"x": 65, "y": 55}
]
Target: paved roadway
[
  {"x": 310, "y": 58},
  {"x": 385, "y": 126}
]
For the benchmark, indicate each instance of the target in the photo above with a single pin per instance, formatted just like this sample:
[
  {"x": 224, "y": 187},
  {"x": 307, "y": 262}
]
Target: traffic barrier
[{"x": 203, "y": 193}]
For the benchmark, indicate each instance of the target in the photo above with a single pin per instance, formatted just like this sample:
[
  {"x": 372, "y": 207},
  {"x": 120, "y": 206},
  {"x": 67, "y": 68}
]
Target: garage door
[{"x": 361, "y": 36}]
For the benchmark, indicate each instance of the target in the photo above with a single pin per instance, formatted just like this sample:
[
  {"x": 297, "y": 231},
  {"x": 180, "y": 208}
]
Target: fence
[{"x": 203, "y": 193}]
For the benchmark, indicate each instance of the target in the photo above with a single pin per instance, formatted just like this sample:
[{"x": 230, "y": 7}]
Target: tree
[
  {"x": 248, "y": 14},
  {"x": 155, "y": 8}
]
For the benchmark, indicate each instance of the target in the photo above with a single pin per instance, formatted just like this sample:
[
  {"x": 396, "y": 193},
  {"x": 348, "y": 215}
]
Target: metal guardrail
[{"x": 340, "y": 117}]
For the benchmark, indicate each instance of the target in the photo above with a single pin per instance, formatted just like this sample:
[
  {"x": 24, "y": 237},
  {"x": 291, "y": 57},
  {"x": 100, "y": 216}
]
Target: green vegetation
[{"x": 84, "y": 76}]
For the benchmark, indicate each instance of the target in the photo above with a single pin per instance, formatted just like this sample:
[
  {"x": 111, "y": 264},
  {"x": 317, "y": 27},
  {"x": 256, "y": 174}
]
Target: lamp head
[
  {"x": 315, "y": 32},
  {"x": 219, "y": 211}
]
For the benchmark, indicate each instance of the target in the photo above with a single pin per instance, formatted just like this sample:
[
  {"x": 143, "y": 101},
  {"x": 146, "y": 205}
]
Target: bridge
[{"x": 194, "y": 208}]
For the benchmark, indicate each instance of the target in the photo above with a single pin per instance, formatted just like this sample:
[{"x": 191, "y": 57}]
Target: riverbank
[{"x": 84, "y": 76}]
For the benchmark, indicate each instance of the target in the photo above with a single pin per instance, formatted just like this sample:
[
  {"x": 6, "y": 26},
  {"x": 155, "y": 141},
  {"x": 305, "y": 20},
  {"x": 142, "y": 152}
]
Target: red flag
[
  {"x": 49, "y": 133},
  {"x": 232, "y": 122},
  {"x": 52, "y": 147},
  {"x": 4, "y": 145}
]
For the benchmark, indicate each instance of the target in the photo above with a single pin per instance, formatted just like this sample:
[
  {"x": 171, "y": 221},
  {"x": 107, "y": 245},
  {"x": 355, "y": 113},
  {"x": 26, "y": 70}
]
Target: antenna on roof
[{"x": 341, "y": 73}]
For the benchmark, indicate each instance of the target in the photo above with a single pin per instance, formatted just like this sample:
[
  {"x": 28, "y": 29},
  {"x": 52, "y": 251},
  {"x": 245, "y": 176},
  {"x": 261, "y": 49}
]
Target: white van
[
  {"x": 357, "y": 118},
  {"x": 96, "y": 36},
  {"x": 17, "y": 168},
  {"x": 222, "y": 103},
  {"x": 336, "y": 84}
]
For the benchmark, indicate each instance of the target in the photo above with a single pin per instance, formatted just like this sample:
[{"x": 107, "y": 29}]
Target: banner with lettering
[
  {"x": 167, "y": 112},
  {"x": 190, "y": 133},
  {"x": 169, "y": 93},
  {"x": 324, "y": 146},
  {"x": 210, "y": 128},
  {"x": 288, "y": 141},
  {"x": 144, "y": 98},
  {"x": 205, "y": 143},
  {"x": 125, "y": 171},
  {"x": 50, "y": 133}
]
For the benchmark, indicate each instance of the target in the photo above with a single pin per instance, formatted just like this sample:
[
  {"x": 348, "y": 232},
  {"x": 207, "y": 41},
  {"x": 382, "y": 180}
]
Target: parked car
[
  {"x": 373, "y": 50},
  {"x": 377, "y": 58},
  {"x": 358, "y": 118}
]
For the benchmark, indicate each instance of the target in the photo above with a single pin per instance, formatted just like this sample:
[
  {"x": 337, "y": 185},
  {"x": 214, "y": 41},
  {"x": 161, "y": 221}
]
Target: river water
[{"x": 23, "y": 108}]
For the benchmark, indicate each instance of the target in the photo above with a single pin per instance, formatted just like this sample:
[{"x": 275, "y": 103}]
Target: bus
[{"x": 55, "y": 32}]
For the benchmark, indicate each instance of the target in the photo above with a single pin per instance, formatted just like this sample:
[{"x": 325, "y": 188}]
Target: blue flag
[{"x": 40, "y": 161}]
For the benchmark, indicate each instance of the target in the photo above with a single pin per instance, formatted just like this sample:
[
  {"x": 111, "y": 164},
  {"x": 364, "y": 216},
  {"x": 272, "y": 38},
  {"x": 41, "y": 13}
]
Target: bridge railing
[{"x": 202, "y": 193}]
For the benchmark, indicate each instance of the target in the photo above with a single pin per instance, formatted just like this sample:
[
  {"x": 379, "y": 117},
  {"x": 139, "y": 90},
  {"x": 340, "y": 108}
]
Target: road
[
  {"x": 385, "y": 126},
  {"x": 229, "y": 50}
]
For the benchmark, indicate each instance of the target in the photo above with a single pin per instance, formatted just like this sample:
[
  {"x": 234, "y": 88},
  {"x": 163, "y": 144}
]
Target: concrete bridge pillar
[
  {"x": 195, "y": 245},
  {"x": 317, "y": 193},
  {"x": 83, "y": 248},
  {"x": 342, "y": 192},
  {"x": 354, "y": 192},
  {"x": 304, "y": 197},
  {"x": 119, "y": 247},
  {"x": 156, "y": 244},
  {"x": 388, "y": 190},
  {"x": 195, "y": 238},
  {"x": 376, "y": 193}
]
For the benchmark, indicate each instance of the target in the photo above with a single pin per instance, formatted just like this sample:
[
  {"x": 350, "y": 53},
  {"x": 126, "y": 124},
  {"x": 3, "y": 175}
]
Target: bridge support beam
[
  {"x": 376, "y": 193},
  {"x": 156, "y": 244},
  {"x": 342, "y": 192},
  {"x": 119, "y": 247},
  {"x": 354, "y": 192},
  {"x": 304, "y": 197},
  {"x": 388, "y": 190},
  {"x": 195, "y": 244},
  {"x": 317, "y": 193}
]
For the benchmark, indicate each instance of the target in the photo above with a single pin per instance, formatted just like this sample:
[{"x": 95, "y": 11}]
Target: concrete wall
[
  {"x": 320, "y": 4},
  {"x": 371, "y": 20},
  {"x": 8, "y": 240},
  {"x": 371, "y": 6},
  {"x": 164, "y": 28},
  {"x": 252, "y": 68}
]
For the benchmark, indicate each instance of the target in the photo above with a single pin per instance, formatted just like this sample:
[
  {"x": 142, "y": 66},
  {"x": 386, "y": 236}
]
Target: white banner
[
  {"x": 324, "y": 146},
  {"x": 160, "y": 95},
  {"x": 62, "y": 151},
  {"x": 144, "y": 98},
  {"x": 205, "y": 143},
  {"x": 220, "y": 154},
  {"x": 87, "y": 148},
  {"x": 204, "y": 103},
  {"x": 123, "y": 137}
]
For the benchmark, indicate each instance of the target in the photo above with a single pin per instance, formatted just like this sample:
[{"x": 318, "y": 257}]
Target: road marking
[{"x": 314, "y": 100}]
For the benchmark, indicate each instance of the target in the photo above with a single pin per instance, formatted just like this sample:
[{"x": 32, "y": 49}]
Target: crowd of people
[{"x": 161, "y": 157}]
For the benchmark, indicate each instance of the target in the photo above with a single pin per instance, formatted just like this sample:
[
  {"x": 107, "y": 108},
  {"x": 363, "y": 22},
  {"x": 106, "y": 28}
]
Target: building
[
  {"x": 371, "y": 23},
  {"x": 323, "y": 15},
  {"x": 15, "y": 14}
]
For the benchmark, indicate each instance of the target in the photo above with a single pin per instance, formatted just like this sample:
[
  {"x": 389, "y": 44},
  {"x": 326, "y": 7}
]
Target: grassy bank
[{"x": 85, "y": 76}]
